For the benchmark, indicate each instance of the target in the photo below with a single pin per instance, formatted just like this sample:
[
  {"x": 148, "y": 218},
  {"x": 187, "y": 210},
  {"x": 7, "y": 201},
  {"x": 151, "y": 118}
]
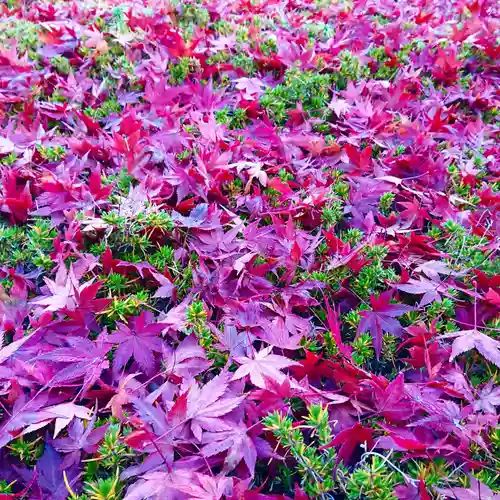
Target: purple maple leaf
[
  {"x": 205, "y": 405},
  {"x": 80, "y": 438},
  {"x": 166, "y": 286},
  {"x": 237, "y": 440},
  {"x": 140, "y": 340},
  {"x": 430, "y": 290},
  {"x": 83, "y": 359},
  {"x": 187, "y": 361},
  {"x": 49, "y": 477}
]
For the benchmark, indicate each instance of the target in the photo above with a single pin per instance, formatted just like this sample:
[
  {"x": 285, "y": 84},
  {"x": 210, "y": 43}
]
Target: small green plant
[
  {"x": 116, "y": 283},
  {"x": 196, "y": 315},
  {"x": 372, "y": 481},
  {"x": 131, "y": 235},
  {"x": 372, "y": 279},
  {"x": 25, "y": 33},
  {"x": 314, "y": 466},
  {"x": 331, "y": 347},
  {"x": 5, "y": 487},
  {"x": 194, "y": 14},
  {"x": 61, "y": 64},
  {"x": 120, "y": 308},
  {"x": 163, "y": 257},
  {"x": 180, "y": 71},
  {"x": 385, "y": 202},
  {"x": 341, "y": 189},
  {"x": 102, "y": 489},
  {"x": 400, "y": 150},
  {"x": 234, "y": 118},
  {"x": 352, "y": 236},
  {"x": 9, "y": 159},
  {"x": 30, "y": 244},
  {"x": 113, "y": 453},
  {"x": 109, "y": 106},
  {"x": 52, "y": 153},
  {"x": 362, "y": 349},
  {"x": 26, "y": 451},
  {"x": 244, "y": 62},
  {"x": 352, "y": 318},
  {"x": 350, "y": 69},
  {"x": 431, "y": 471},
  {"x": 445, "y": 308},
  {"x": 495, "y": 441},
  {"x": 332, "y": 214},
  {"x": 310, "y": 88},
  {"x": 463, "y": 248}
]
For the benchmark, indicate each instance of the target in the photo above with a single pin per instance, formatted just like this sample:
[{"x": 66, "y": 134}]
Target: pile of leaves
[{"x": 249, "y": 249}]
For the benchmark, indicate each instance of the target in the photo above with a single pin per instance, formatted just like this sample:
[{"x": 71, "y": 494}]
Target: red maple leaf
[
  {"x": 14, "y": 200},
  {"x": 382, "y": 319},
  {"x": 349, "y": 440}
]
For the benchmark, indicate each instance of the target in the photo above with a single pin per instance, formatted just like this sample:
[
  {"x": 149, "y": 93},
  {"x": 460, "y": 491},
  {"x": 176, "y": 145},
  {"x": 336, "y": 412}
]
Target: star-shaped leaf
[
  {"x": 263, "y": 365},
  {"x": 382, "y": 319}
]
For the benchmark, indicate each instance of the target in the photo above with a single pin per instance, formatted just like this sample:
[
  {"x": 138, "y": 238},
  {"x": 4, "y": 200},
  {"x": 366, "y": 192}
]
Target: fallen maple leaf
[
  {"x": 166, "y": 287},
  {"x": 263, "y": 365},
  {"x": 237, "y": 440},
  {"x": 381, "y": 319},
  {"x": 488, "y": 399},
  {"x": 61, "y": 414},
  {"x": 476, "y": 491},
  {"x": 474, "y": 339},
  {"x": 139, "y": 339},
  {"x": 349, "y": 439},
  {"x": 205, "y": 405},
  {"x": 80, "y": 437}
]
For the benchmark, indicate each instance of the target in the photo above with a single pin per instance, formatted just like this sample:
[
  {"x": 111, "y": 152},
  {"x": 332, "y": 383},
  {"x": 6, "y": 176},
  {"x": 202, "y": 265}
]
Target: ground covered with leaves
[{"x": 249, "y": 250}]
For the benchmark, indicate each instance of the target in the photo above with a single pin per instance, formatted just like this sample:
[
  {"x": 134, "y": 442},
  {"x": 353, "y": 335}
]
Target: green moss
[
  {"x": 244, "y": 62},
  {"x": 104, "y": 488},
  {"x": 332, "y": 213},
  {"x": 372, "y": 481},
  {"x": 52, "y": 153},
  {"x": 310, "y": 88},
  {"x": 234, "y": 118},
  {"x": 29, "y": 245},
  {"x": 385, "y": 203},
  {"x": 362, "y": 349},
  {"x": 313, "y": 465},
  {"x": 113, "y": 453},
  {"x": 25, "y": 450},
  {"x": 180, "y": 71},
  {"x": 61, "y": 65},
  {"x": 194, "y": 14},
  {"x": 6, "y": 488},
  {"x": 372, "y": 278},
  {"x": 109, "y": 106}
]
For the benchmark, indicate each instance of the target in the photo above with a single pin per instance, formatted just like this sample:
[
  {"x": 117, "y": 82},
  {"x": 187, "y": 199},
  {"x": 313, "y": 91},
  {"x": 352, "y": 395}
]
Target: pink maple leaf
[
  {"x": 263, "y": 365},
  {"x": 476, "y": 491},
  {"x": 206, "y": 405},
  {"x": 474, "y": 339},
  {"x": 488, "y": 399}
]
